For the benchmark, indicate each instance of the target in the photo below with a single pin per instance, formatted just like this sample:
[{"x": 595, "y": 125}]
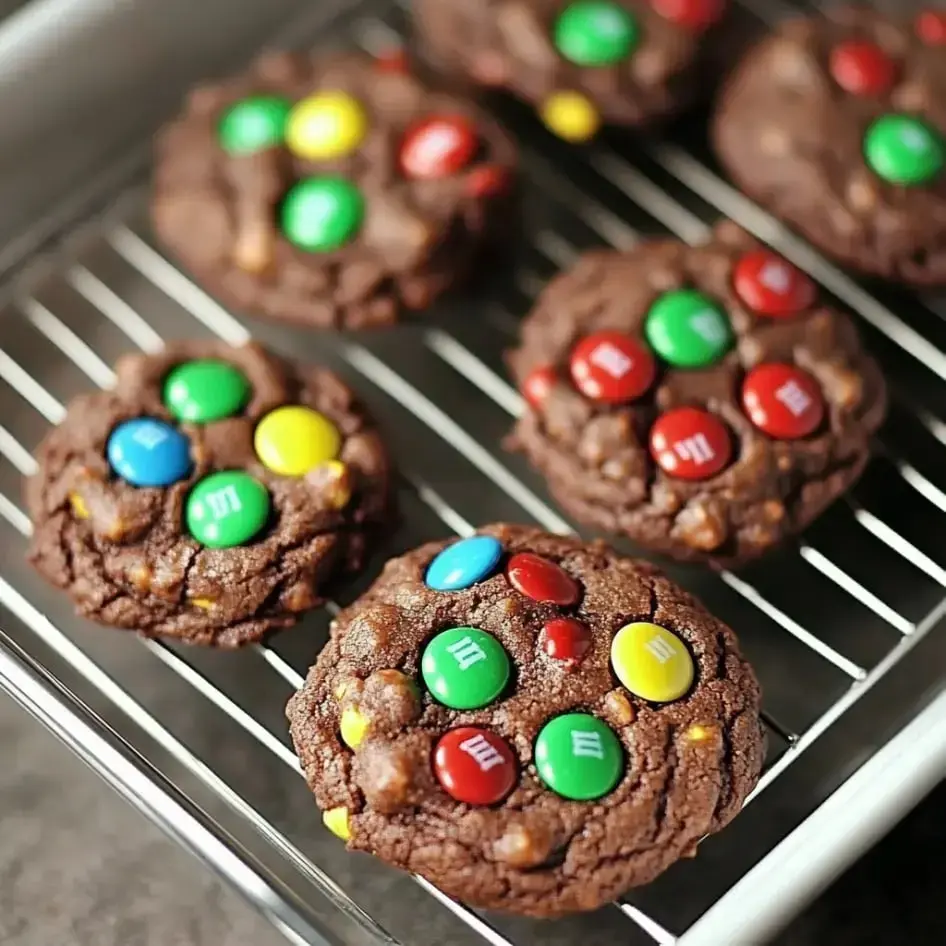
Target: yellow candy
[
  {"x": 571, "y": 116},
  {"x": 354, "y": 726},
  {"x": 651, "y": 662},
  {"x": 325, "y": 126},
  {"x": 293, "y": 440},
  {"x": 338, "y": 822},
  {"x": 78, "y": 506},
  {"x": 700, "y": 733},
  {"x": 205, "y": 604}
]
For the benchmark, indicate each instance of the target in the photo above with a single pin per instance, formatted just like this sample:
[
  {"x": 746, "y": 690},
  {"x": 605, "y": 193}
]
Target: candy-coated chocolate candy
[
  {"x": 206, "y": 390},
  {"x": 690, "y": 444},
  {"x": 489, "y": 180},
  {"x": 595, "y": 32},
  {"x": 320, "y": 214},
  {"x": 904, "y": 150},
  {"x": 79, "y": 506},
  {"x": 769, "y": 285},
  {"x": 254, "y": 124},
  {"x": 353, "y": 726},
  {"x": 931, "y": 27},
  {"x": 612, "y": 368},
  {"x": 464, "y": 563},
  {"x": 475, "y": 766},
  {"x": 862, "y": 68},
  {"x": 438, "y": 146},
  {"x": 578, "y": 756},
  {"x": 537, "y": 385},
  {"x": 227, "y": 509},
  {"x": 651, "y": 662},
  {"x": 149, "y": 452},
  {"x": 542, "y": 580},
  {"x": 566, "y": 639},
  {"x": 326, "y": 126},
  {"x": 571, "y": 116},
  {"x": 338, "y": 821},
  {"x": 293, "y": 440},
  {"x": 783, "y": 401},
  {"x": 465, "y": 668},
  {"x": 688, "y": 329},
  {"x": 692, "y": 14}
]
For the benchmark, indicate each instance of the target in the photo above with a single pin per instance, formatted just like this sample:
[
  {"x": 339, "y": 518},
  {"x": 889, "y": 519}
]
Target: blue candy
[
  {"x": 464, "y": 563},
  {"x": 148, "y": 452}
]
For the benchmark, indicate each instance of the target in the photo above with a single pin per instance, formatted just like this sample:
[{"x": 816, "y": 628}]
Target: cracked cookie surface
[
  {"x": 455, "y": 761},
  {"x": 234, "y": 534},
  {"x": 754, "y": 411}
]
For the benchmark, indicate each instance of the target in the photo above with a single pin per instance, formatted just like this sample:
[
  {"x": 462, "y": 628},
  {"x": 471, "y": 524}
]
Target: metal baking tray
[{"x": 844, "y": 626}]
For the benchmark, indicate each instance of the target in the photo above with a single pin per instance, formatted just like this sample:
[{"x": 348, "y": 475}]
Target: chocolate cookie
[
  {"x": 330, "y": 191},
  {"x": 706, "y": 401},
  {"x": 626, "y": 62},
  {"x": 210, "y": 496},
  {"x": 837, "y": 125},
  {"x": 530, "y": 722}
]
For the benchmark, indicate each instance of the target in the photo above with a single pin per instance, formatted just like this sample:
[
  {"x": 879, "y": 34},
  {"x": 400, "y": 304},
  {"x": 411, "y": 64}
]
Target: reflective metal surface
[{"x": 844, "y": 627}]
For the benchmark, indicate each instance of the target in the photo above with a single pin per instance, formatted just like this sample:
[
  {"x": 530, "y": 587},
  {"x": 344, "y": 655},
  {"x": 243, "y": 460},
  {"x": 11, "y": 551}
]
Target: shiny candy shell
[
  {"x": 464, "y": 563},
  {"x": 326, "y": 126},
  {"x": 542, "y": 580},
  {"x": 612, "y": 368},
  {"x": 571, "y": 116},
  {"x": 227, "y": 509},
  {"x": 321, "y": 214},
  {"x": 690, "y": 444},
  {"x": 475, "y": 766},
  {"x": 904, "y": 150},
  {"x": 538, "y": 384},
  {"x": 931, "y": 27},
  {"x": 769, "y": 285},
  {"x": 198, "y": 392},
  {"x": 438, "y": 146},
  {"x": 783, "y": 401},
  {"x": 691, "y": 14},
  {"x": 578, "y": 756},
  {"x": 651, "y": 662},
  {"x": 293, "y": 440},
  {"x": 148, "y": 452},
  {"x": 595, "y": 32},
  {"x": 567, "y": 640},
  {"x": 254, "y": 124},
  {"x": 862, "y": 68},
  {"x": 465, "y": 668},
  {"x": 688, "y": 329}
]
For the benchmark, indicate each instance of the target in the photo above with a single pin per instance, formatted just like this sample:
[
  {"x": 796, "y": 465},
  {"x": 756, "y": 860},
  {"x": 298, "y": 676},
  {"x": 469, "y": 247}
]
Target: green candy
[
  {"x": 254, "y": 124},
  {"x": 595, "y": 33},
  {"x": 322, "y": 213},
  {"x": 688, "y": 329},
  {"x": 578, "y": 756},
  {"x": 904, "y": 150},
  {"x": 465, "y": 668},
  {"x": 227, "y": 509},
  {"x": 199, "y": 392}
]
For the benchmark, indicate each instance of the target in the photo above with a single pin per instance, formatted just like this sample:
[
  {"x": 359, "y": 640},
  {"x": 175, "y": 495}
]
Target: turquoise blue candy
[
  {"x": 464, "y": 563},
  {"x": 148, "y": 452}
]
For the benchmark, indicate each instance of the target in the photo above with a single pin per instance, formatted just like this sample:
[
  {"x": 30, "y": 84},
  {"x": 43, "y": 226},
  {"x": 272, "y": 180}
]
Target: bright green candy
[
  {"x": 578, "y": 756},
  {"x": 465, "y": 668},
  {"x": 254, "y": 124},
  {"x": 595, "y": 33},
  {"x": 227, "y": 509},
  {"x": 322, "y": 213},
  {"x": 198, "y": 392},
  {"x": 688, "y": 329},
  {"x": 904, "y": 150}
]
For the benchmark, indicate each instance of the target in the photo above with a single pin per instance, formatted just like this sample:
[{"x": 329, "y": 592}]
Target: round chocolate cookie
[
  {"x": 532, "y": 723},
  {"x": 210, "y": 496},
  {"x": 705, "y": 401},
  {"x": 581, "y": 63},
  {"x": 332, "y": 191},
  {"x": 837, "y": 125}
]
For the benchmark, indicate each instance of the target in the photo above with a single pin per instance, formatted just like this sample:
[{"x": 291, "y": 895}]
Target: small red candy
[
  {"x": 541, "y": 580},
  {"x": 862, "y": 68},
  {"x": 475, "y": 765},
  {"x": 931, "y": 27},
  {"x": 692, "y": 14},
  {"x": 487, "y": 181},
  {"x": 566, "y": 639},
  {"x": 438, "y": 146},
  {"x": 612, "y": 368},
  {"x": 690, "y": 444},
  {"x": 783, "y": 401},
  {"x": 393, "y": 61},
  {"x": 770, "y": 285},
  {"x": 537, "y": 385}
]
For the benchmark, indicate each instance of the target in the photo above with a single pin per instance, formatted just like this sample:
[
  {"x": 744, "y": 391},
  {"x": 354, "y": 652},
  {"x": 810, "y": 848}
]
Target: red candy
[
  {"x": 541, "y": 580},
  {"x": 611, "y": 367},
  {"x": 782, "y": 401},
  {"x": 538, "y": 384},
  {"x": 862, "y": 68},
  {"x": 487, "y": 181},
  {"x": 770, "y": 285},
  {"x": 475, "y": 765},
  {"x": 693, "y": 14},
  {"x": 438, "y": 146},
  {"x": 393, "y": 60},
  {"x": 566, "y": 639},
  {"x": 690, "y": 444},
  {"x": 931, "y": 27}
]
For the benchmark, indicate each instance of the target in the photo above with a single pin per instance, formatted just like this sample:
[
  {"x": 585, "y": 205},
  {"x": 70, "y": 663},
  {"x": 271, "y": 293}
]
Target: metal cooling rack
[{"x": 844, "y": 627}]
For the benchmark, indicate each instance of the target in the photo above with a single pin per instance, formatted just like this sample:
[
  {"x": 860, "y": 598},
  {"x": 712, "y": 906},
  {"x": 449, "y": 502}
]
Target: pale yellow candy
[
  {"x": 700, "y": 733},
  {"x": 326, "y": 126},
  {"x": 651, "y": 662},
  {"x": 78, "y": 506},
  {"x": 338, "y": 822},
  {"x": 205, "y": 604},
  {"x": 292, "y": 440},
  {"x": 353, "y": 726},
  {"x": 570, "y": 116}
]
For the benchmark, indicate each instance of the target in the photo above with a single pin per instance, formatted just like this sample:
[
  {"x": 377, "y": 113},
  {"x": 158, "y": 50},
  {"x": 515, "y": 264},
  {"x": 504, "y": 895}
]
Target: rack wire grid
[{"x": 843, "y": 626}]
